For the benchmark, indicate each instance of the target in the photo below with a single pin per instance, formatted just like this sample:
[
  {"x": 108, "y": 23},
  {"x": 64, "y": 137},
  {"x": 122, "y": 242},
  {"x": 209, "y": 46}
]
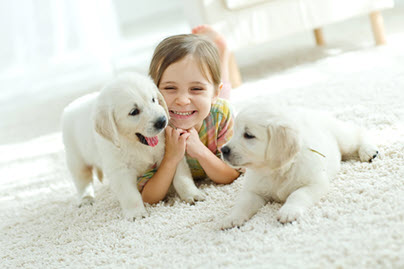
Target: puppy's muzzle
[
  {"x": 225, "y": 152},
  {"x": 160, "y": 123}
]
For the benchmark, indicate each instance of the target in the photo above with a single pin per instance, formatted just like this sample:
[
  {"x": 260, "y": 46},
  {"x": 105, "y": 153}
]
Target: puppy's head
[
  {"x": 130, "y": 107},
  {"x": 261, "y": 139}
]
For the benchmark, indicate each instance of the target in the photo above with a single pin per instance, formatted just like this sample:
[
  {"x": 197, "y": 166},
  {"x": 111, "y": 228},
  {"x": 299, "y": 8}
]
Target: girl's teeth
[{"x": 182, "y": 113}]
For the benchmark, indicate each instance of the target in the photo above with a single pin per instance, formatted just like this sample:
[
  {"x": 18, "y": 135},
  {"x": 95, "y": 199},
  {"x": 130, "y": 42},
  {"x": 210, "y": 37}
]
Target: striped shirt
[{"x": 216, "y": 130}]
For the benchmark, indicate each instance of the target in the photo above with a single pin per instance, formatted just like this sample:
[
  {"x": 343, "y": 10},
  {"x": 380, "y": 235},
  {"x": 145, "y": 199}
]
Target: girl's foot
[
  {"x": 213, "y": 36},
  {"x": 221, "y": 45}
]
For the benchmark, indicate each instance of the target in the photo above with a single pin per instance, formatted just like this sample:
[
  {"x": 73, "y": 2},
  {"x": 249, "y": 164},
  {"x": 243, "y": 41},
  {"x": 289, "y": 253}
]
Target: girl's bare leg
[{"x": 224, "y": 55}]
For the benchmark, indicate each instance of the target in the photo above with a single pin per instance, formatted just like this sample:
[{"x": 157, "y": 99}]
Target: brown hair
[{"x": 174, "y": 48}]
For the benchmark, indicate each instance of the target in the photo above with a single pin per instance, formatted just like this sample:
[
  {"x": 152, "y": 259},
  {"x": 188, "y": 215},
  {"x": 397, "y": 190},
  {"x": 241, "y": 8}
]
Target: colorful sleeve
[
  {"x": 142, "y": 180},
  {"x": 225, "y": 128}
]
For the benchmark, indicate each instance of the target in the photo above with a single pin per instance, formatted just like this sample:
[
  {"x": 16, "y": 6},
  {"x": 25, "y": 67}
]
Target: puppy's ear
[
  {"x": 105, "y": 124},
  {"x": 162, "y": 103},
  {"x": 284, "y": 144}
]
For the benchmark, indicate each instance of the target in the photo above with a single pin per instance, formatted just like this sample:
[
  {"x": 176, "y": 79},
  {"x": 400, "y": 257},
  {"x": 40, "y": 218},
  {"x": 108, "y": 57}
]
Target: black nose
[
  {"x": 225, "y": 150},
  {"x": 160, "y": 123}
]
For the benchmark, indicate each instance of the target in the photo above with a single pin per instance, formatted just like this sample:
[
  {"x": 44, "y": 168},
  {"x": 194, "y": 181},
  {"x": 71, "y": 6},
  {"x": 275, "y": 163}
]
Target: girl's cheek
[{"x": 165, "y": 95}]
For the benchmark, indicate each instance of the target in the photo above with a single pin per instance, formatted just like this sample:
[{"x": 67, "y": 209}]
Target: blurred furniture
[{"x": 246, "y": 23}]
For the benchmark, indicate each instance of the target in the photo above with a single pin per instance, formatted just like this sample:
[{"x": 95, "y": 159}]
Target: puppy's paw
[
  {"x": 86, "y": 201},
  {"x": 367, "y": 153},
  {"x": 231, "y": 221},
  {"x": 135, "y": 213},
  {"x": 289, "y": 213},
  {"x": 194, "y": 197}
]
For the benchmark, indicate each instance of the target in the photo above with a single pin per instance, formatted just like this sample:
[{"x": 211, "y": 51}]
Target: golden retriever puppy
[
  {"x": 119, "y": 132},
  {"x": 290, "y": 155}
]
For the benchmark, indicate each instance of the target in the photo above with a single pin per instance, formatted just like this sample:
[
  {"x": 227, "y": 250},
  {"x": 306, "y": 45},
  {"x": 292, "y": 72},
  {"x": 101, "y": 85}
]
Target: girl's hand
[
  {"x": 194, "y": 144},
  {"x": 175, "y": 144}
]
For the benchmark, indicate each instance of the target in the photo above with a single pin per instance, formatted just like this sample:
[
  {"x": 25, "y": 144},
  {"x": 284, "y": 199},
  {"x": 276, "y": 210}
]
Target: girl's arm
[
  {"x": 215, "y": 168},
  {"x": 157, "y": 186}
]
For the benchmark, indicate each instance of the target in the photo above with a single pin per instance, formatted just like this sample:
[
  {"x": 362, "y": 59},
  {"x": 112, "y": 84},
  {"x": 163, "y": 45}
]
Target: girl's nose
[{"x": 182, "y": 100}]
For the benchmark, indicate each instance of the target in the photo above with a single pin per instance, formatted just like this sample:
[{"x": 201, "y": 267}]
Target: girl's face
[{"x": 188, "y": 94}]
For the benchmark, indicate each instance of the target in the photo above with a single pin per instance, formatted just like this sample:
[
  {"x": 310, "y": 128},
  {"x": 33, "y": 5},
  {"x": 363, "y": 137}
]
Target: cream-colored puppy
[
  {"x": 289, "y": 155},
  {"x": 119, "y": 132}
]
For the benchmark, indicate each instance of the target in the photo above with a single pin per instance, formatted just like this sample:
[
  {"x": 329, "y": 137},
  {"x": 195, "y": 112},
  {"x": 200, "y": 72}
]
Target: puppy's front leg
[
  {"x": 247, "y": 204},
  {"x": 184, "y": 184},
  {"x": 123, "y": 184},
  {"x": 301, "y": 199}
]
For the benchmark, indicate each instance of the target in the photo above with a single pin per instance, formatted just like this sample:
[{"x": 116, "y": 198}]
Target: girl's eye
[
  {"x": 134, "y": 112},
  {"x": 169, "y": 88},
  {"x": 197, "y": 89},
  {"x": 248, "y": 136}
]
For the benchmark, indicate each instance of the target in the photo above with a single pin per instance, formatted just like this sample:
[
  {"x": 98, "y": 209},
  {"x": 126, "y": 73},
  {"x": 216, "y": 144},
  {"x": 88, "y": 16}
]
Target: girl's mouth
[{"x": 182, "y": 114}]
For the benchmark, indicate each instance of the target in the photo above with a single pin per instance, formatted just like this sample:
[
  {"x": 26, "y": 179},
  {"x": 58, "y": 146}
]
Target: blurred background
[
  {"x": 45, "y": 41},
  {"x": 53, "y": 51}
]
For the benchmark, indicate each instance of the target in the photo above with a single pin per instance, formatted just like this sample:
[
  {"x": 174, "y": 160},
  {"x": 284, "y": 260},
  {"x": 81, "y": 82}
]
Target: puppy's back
[{"x": 77, "y": 127}]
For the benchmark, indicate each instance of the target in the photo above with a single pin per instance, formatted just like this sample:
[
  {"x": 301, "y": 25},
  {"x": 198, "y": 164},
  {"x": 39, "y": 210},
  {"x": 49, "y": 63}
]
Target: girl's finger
[
  {"x": 169, "y": 130},
  {"x": 176, "y": 133},
  {"x": 180, "y": 132},
  {"x": 184, "y": 136}
]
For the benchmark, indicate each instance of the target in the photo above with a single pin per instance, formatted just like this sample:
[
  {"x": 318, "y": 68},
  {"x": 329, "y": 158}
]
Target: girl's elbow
[
  {"x": 150, "y": 200},
  {"x": 229, "y": 179},
  {"x": 235, "y": 174}
]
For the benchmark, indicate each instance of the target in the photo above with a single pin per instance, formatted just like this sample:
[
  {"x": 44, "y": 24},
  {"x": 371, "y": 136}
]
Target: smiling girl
[{"x": 187, "y": 71}]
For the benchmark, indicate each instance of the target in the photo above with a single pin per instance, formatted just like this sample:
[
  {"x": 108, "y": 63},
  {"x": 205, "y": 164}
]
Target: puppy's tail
[{"x": 98, "y": 173}]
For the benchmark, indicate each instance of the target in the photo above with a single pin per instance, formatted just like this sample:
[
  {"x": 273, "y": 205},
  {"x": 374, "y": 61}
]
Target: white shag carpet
[{"x": 359, "y": 224}]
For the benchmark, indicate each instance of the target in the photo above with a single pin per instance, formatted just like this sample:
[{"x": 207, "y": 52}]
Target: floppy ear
[
  {"x": 162, "y": 103},
  {"x": 284, "y": 144},
  {"x": 105, "y": 124}
]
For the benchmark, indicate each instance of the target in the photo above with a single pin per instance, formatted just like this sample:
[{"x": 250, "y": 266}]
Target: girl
[{"x": 187, "y": 71}]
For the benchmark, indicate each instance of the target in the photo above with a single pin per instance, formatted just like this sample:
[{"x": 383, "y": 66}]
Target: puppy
[
  {"x": 289, "y": 155},
  {"x": 119, "y": 132}
]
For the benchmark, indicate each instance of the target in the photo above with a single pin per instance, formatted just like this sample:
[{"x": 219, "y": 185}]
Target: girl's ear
[{"x": 216, "y": 93}]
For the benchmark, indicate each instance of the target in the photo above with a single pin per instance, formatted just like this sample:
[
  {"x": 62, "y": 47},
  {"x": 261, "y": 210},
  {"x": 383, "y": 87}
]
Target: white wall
[{"x": 130, "y": 11}]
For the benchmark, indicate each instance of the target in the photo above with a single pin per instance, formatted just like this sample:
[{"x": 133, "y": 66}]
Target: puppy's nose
[
  {"x": 225, "y": 150},
  {"x": 160, "y": 123}
]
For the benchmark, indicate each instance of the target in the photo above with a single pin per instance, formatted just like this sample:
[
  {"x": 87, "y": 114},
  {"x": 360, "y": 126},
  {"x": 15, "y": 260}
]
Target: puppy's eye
[
  {"x": 153, "y": 100},
  {"x": 134, "y": 112},
  {"x": 248, "y": 136}
]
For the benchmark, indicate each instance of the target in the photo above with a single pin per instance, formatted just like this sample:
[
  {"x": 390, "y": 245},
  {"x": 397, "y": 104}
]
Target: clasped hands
[{"x": 179, "y": 141}]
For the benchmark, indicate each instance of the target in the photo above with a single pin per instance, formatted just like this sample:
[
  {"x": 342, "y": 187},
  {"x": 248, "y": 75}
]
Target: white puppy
[
  {"x": 289, "y": 155},
  {"x": 119, "y": 132}
]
